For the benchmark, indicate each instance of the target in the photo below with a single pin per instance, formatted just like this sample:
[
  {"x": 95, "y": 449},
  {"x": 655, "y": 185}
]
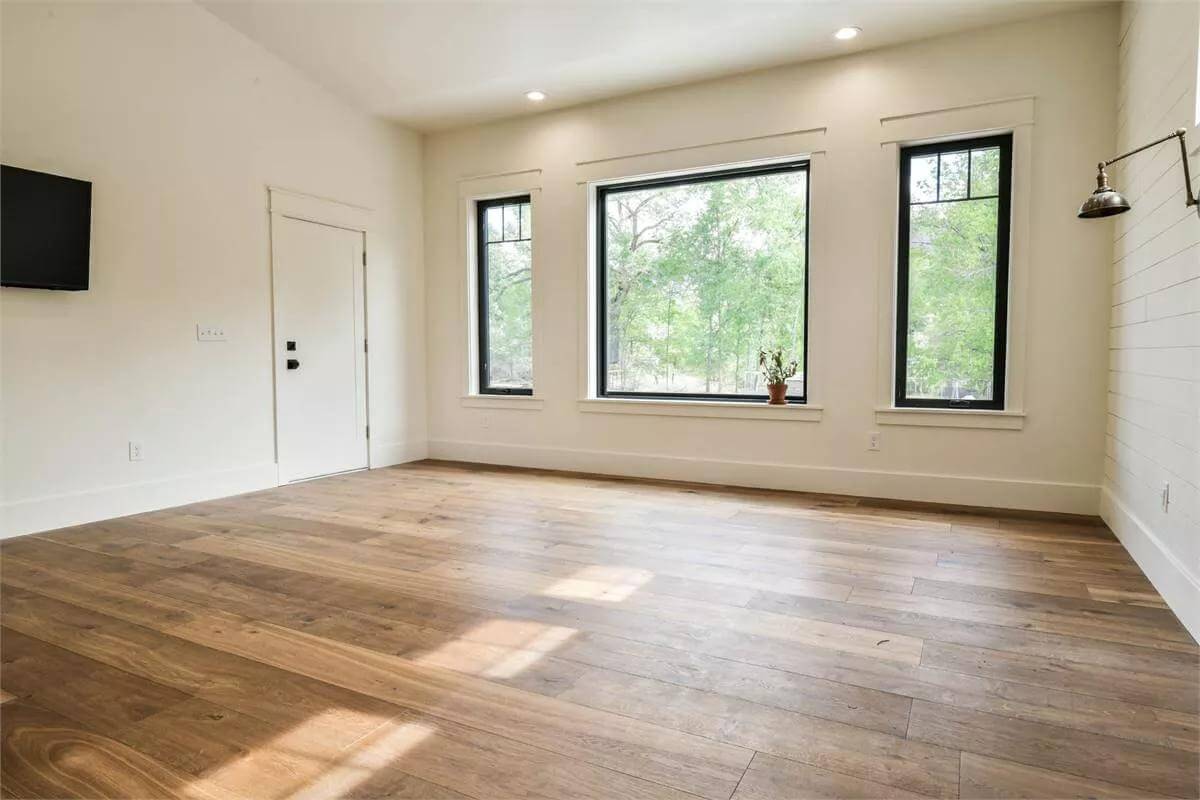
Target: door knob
[{"x": 293, "y": 363}]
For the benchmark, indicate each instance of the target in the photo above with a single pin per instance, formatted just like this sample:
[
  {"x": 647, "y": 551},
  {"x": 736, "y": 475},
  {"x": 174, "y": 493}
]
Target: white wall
[
  {"x": 181, "y": 123},
  {"x": 1057, "y": 71},
  {"x": 1153, "y": 434}
]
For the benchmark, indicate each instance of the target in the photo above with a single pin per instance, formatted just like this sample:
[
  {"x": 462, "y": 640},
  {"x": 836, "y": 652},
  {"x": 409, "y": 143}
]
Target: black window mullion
[
  {"x": 901, "y": 368},
  {"x": 953, "y": 200},
  {"x": 970, "y": 158},
  {"x": 1004, "y": 211},
  {"x": 481, "y": 284},
  {"x": 1004, "y": 221}
]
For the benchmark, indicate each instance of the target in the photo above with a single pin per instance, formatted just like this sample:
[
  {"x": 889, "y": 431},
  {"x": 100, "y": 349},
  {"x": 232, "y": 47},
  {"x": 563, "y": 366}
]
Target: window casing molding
[
  {"x": 1003, "y": 142},
  {"x": 512, "y": 402},
  {"x": 950, "y": 418},
  {"x": 472, "y": 190},
  {"x": 693, "y": 156},
  {"x": 643, "y": 402},
  {"x": 1010, "y": 115},
  {"x": 712, "y": 409}
]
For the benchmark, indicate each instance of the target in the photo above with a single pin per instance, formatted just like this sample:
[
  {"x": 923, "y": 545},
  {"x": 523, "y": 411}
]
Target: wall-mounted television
[{"x": 45, "y": 230}]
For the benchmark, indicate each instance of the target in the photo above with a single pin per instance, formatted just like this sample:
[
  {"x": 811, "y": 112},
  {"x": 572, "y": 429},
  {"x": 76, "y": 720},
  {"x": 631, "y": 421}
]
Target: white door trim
[
  {"x": 323, "y": 210},
  {"x": 286, "y": 203}
]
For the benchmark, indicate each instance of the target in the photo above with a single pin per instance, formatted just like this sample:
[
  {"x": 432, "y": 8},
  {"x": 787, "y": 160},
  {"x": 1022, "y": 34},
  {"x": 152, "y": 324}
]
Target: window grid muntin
[
  {"x": 970, "y": 183},
  {"x": 1002, "y": 142},
  {"x": 483, "y": 241},
  {"x": 603, "y": 191}
]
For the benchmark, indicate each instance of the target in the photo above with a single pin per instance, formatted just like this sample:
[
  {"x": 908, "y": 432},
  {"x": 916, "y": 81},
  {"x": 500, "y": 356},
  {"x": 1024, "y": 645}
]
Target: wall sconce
[{"x": 1106, "y": 201}]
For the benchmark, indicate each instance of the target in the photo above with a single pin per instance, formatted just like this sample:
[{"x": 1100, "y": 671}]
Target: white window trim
[
  {"x": 695, "y": 159},
  {"x": 514, "y": 402},
  {"x": 1011, "y": 115},
  {"x": 951, "y": 418},
  {"x": 723, "y": 409},
  {"x": 470, "y": 191}
]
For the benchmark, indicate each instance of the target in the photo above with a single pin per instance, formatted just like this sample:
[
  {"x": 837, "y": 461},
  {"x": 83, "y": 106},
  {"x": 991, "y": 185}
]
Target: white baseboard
[
  {"x": 1170, "y": 576},
  {"x": 1071, "y": 498},
  {"x": 75, "y": 508},
  {"x": 385, "y": 455}
]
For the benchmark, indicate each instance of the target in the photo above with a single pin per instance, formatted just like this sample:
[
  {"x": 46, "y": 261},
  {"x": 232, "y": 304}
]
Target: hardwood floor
[{"x": 442, "y": 631}]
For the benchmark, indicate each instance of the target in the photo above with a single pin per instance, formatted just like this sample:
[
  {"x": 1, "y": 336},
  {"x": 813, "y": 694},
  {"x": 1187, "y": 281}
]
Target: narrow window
[
  {"x": 505, "y": 300},
  {"x": 952, "y": 275},
  {"x": 697, "y": 274}
]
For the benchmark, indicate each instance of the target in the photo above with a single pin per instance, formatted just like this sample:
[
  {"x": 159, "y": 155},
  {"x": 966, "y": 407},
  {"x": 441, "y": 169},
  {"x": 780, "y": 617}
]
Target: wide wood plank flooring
[{"x": 443, "y": 631}]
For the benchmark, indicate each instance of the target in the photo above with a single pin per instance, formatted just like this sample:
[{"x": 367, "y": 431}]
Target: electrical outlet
[
  {"x": 1166, "y": 496},
  {"x": 485, "y": 421},
  {"x": 210, "y": 333},
  {"x": 135, "y": 451},
  {"x": 873, "y": 440}
]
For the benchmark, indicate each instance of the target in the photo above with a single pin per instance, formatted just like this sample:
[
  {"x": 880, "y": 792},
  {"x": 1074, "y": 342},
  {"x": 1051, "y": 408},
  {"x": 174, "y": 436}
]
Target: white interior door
[{"x": 320, "y": 363}]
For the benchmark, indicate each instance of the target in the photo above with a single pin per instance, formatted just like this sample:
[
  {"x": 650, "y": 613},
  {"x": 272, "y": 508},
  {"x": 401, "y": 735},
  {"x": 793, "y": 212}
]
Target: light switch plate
[{"x": 210, "y": 333}]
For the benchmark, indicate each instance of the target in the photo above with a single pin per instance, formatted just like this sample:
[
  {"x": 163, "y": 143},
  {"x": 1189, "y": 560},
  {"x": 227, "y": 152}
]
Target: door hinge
[
  {"x": 364, "y": 345},
  {"x": 364, "y": 258},
  {"x": 368, "y": 431}
]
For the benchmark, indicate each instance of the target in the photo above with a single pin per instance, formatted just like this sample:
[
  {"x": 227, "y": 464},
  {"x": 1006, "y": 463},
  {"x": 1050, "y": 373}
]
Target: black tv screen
[{"x": 45, "y": 230}]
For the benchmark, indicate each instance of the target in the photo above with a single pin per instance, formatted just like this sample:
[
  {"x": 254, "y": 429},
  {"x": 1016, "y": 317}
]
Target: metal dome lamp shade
[{"x": 1107, "y": 201}]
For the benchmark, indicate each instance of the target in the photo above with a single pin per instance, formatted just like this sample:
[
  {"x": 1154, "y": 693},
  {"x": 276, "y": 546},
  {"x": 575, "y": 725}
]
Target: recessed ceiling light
[
  {"x": 535, "y": 96},
  {"x": 847, "y": 33}
]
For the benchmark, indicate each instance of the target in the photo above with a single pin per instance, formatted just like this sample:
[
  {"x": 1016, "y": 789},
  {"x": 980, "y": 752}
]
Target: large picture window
[
  {"x": 952, "y": 275},
  {"x": 504, "y": 255},
  {"x": 695, "y": 275}
]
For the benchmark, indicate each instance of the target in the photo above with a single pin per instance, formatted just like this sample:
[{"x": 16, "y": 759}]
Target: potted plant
[{"x": 776, "y": 371}]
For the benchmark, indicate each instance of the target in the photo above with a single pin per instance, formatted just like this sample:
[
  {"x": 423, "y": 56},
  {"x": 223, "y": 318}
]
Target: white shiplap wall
[{"x": 1153, "y": 434}]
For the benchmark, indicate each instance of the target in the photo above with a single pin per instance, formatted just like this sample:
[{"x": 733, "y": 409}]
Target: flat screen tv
[{"x": 45, "y": 230}]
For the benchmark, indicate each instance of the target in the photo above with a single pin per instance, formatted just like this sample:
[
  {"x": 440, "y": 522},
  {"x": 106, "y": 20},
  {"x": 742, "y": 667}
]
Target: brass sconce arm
[{"x": 1106, "y": 201}]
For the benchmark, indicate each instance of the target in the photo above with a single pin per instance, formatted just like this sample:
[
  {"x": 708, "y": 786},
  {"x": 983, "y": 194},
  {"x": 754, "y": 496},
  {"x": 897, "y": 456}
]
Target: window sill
[
  {"x": 515, "y": 402},
  {"x": 951, "y": 418},
  {"x": 702, "y": 408}
]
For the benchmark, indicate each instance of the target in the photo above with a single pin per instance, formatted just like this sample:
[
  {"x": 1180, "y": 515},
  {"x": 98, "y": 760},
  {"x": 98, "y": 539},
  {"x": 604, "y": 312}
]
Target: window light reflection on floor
[
  {"x": 499, "y": 648},
  {"x": 599, "y": 582},
  {"x": 364, "y": 758},
  {"x": 324, "y": 756}
]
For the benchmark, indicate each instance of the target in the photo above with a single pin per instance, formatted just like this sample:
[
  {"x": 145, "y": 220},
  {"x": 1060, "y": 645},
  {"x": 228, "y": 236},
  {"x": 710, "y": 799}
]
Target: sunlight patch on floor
[
  {"x": 599, "y": 582},
  {"x": 517, "y": 661},
  {"x": 498, "y": 648},
  {"x": 326, "y": 755},
  {"x": 364, "y": 758}
]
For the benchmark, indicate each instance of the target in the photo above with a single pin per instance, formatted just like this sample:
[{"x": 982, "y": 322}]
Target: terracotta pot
[{"x": 777, "y": 394}]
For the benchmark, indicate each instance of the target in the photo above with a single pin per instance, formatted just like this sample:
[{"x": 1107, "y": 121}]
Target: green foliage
[
  {"x": 510, "y": 314},
  {"x": 701, "y": 277},
  {"x": 774, "y": 369},
  {"x": 952, "y": 299}
]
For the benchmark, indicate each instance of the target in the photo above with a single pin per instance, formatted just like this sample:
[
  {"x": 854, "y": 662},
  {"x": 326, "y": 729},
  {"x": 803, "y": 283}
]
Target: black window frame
[
  {"x": 601, "y": 298},
  {"x": 481, "y": 289},
  {"x": 1004, "y": 226}
]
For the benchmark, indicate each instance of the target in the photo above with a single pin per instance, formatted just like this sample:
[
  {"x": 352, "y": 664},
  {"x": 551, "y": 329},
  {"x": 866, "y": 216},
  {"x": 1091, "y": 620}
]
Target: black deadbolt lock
[
  {"x": 291, "y": 345},
  {"x": 293, "y": 363}
]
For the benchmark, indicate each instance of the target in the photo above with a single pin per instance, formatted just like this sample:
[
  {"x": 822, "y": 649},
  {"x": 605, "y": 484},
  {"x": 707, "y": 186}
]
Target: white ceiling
[{"x": 435, "y": 64}]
